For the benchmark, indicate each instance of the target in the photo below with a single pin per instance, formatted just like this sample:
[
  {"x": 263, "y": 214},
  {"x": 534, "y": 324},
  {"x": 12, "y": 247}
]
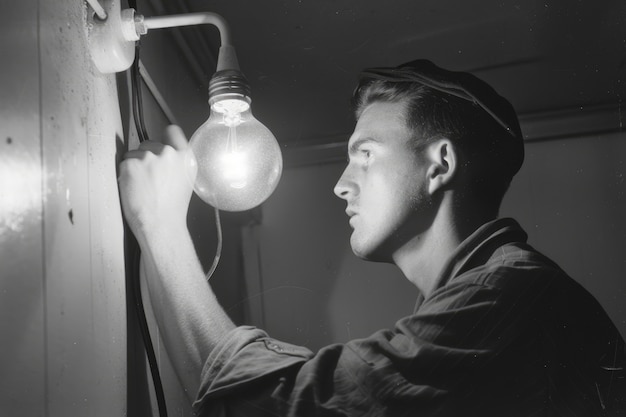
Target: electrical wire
[
  {"x": 137, "y": 106},
  {"x": 137, "y": 97},
  {"x": 218, "y": 250},
  {"x": 145, "y": 331}
]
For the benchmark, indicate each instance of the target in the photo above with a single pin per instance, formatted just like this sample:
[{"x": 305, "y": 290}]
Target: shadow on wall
[{"x": 570, "y": 196}]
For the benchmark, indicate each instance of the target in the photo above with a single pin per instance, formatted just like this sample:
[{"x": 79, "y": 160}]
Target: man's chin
[
  {"x": 358, "y": 248},
  {"x": 367, "y": 253}
]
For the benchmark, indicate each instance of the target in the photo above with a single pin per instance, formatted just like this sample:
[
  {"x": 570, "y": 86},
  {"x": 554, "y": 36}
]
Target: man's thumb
[{"x": 175, "y": 137}]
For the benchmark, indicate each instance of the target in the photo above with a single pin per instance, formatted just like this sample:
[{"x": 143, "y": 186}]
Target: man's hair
[{"x": 488, "y": 151}]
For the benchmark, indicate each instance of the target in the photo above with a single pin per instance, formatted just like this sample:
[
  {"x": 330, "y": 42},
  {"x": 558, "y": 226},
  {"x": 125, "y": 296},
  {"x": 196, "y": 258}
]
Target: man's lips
[
  {"x": 351, "y": 221},
  {"x": 352, "y": 214}
]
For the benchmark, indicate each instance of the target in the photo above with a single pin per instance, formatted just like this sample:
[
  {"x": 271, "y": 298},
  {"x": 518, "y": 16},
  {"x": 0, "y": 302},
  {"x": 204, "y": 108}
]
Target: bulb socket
[{"x": 228, "y": 84}]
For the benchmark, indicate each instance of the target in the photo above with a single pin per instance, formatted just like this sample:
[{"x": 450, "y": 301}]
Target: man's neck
[{"x": 423, "y": 258}]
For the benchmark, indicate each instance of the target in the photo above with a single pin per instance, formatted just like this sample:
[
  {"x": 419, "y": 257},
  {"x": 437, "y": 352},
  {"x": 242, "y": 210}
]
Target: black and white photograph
[{"x": 313, "y": 208}]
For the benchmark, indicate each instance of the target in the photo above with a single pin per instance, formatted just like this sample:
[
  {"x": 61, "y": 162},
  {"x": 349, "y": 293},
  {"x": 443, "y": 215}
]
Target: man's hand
[{"x": 156, "y": 182}]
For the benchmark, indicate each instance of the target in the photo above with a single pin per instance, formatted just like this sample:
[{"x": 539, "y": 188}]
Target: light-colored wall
[
  {"x": 62, "y": 289},
  {"x": 69, "y": 341},
  {"x": 311, "y": 289}
]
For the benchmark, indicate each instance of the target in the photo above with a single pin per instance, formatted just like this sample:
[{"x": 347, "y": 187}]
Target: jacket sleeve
[{"x": 452, "y": 341}]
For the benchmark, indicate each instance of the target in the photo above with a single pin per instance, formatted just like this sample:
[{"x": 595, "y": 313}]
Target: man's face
[{"x": 384, "y": 184}]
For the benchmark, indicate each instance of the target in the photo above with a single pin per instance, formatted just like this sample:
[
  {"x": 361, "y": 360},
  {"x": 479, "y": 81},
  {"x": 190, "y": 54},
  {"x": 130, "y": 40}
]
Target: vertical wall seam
[
  {"x": 89, "y": 219},
  {"x": 42, "y": 211}
]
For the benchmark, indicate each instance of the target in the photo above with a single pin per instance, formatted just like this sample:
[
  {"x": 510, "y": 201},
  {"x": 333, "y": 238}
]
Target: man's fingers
[
  {"x": 134, "y": 154},
  {"x": 151, "y": 146},
  {"x": 175, "y": 137},
  {"x": 144, "y": 148}
]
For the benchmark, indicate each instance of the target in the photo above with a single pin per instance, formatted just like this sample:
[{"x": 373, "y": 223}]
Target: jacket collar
[{"x": 478, "y": 248}]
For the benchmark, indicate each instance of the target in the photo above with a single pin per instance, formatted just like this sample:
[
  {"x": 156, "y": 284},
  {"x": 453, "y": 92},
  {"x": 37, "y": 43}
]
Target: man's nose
[{"x": 345, "y": 186}]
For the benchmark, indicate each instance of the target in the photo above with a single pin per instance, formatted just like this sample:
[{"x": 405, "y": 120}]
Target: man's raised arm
[{"x": 156, "y": 182}]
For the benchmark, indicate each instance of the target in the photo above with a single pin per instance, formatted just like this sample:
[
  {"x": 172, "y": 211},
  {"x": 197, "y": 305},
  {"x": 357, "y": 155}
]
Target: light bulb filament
[{"x": 234, "y": 169}]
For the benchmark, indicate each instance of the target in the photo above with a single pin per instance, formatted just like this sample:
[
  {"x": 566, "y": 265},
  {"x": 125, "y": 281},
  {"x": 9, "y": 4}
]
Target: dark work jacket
[{"x": 505, "y": 333}]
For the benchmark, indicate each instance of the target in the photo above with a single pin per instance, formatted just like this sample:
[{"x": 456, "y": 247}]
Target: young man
[{"x": 499, "y": 329}]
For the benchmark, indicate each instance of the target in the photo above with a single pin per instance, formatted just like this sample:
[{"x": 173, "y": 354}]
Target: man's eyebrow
[{"x": 354, "y": 146}]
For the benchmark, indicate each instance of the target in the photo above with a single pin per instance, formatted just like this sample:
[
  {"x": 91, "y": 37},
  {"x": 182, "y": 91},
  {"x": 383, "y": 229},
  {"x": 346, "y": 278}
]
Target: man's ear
[{"x": 443, "y": 160}]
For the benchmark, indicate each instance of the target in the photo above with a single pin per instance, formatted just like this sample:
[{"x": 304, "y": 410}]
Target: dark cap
[{"x": 466, "y": 86}]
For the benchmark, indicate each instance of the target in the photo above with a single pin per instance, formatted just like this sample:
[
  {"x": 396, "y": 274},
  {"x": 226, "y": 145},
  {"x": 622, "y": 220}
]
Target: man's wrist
[{"x": 153, "y": 236}]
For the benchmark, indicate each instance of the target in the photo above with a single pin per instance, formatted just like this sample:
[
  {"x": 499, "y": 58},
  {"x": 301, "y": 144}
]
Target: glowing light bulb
[{"x": 239, "y": 160}]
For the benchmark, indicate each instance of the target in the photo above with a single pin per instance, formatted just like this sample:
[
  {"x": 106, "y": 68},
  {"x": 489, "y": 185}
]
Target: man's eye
[{"x": 366, "y": 152}]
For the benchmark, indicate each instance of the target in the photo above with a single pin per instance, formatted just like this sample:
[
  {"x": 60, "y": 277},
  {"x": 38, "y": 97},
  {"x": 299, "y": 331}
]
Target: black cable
[
  {"x": 140, "y": 98},
  {"x": 143, "y": 326},
  {"x": 137, "y": 101},
  {"x": 136, "y": 253}
]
